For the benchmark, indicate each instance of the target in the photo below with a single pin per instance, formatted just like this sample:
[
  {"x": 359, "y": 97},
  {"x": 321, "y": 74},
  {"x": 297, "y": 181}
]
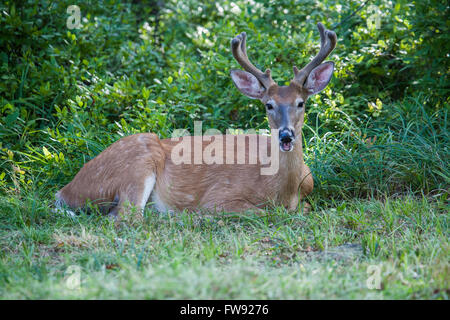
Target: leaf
[
  {"x": 47, "y": 154},
  {"x": 145, "y": 93},
  {"x": 11, "y": 118}
]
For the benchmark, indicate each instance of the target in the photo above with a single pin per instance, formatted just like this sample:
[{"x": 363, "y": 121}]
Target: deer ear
[
  {"x": 247, "y": 84},
  {"x": 319, "y": 77}
]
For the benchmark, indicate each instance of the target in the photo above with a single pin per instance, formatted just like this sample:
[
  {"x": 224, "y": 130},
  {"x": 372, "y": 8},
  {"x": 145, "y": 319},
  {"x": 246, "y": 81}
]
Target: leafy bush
[{"x": 153, "y": 66}]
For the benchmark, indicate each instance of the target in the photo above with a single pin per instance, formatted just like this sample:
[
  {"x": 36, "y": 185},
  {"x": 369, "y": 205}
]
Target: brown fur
[
  {"x": 119, "y": 173},
  {"x": 233, "y": 187}
]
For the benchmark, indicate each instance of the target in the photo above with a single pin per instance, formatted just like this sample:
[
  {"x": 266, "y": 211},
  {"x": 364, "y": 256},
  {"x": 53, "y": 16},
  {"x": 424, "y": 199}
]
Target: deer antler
[
  {"x": 327, "y": 44},
  {"x": 240, "y": 54}
]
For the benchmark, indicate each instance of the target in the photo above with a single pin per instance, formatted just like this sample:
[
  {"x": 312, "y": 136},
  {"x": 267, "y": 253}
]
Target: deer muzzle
[{"x": 286, "y": 137}]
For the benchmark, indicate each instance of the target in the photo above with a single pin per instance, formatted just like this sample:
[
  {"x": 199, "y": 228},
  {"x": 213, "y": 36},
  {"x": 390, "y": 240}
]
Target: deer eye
[
  {"x": 300, "y": 104},
  {"x": 269, "y": 106}
]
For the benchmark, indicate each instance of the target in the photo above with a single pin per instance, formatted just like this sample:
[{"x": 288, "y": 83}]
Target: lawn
[{"x": 334, "y": 252}]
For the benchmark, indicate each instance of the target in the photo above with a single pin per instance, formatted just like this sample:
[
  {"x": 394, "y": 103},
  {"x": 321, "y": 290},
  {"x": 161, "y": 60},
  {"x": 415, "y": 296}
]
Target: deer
[{"x": 140, "y": 168}]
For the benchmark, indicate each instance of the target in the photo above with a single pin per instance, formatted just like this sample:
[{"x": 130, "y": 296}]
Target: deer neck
[{"x": 290, "y": 170}]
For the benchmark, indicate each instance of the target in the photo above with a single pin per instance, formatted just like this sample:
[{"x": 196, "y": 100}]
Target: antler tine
[
  {"x": 244, "y": 43},
  {"x": 238, "y": 47},
  {"x": 327, "y": 44}
]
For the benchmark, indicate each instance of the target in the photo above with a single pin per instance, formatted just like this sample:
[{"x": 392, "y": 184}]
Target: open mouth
[{"x": 286, "y": 146}]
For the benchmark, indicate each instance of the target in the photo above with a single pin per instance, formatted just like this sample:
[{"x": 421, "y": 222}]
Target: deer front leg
[
  {"x": 305, "y": 188},
  {"x": 306, "y": 182},
  {"x": 293, "y": 203}
]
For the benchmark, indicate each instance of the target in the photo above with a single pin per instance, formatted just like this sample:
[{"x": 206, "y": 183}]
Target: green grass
[{"x": 282, "y": 256}]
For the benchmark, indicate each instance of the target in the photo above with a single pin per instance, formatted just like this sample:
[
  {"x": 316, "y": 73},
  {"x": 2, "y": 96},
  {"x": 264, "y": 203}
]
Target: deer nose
[{"x": 286, "y": 135}]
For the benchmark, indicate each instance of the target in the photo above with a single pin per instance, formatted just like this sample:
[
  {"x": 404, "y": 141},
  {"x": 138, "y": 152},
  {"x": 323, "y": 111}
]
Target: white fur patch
[
  {"x": 63, "y": 211},
  {"x": 148, "y": 188},
  {"x": 61, "y": 207}
]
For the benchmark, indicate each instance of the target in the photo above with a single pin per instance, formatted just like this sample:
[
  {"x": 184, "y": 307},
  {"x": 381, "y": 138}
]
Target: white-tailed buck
[{"x": 141, "y": 167}]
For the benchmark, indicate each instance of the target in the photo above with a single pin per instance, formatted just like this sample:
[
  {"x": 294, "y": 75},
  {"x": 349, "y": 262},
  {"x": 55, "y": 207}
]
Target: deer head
[{"x": 285, "y": 105}]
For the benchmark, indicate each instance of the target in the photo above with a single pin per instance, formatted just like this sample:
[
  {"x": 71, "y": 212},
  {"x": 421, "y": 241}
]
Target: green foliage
[
  {"x": 136, "y": 67},
  {"x": 376, "y": 140}
]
